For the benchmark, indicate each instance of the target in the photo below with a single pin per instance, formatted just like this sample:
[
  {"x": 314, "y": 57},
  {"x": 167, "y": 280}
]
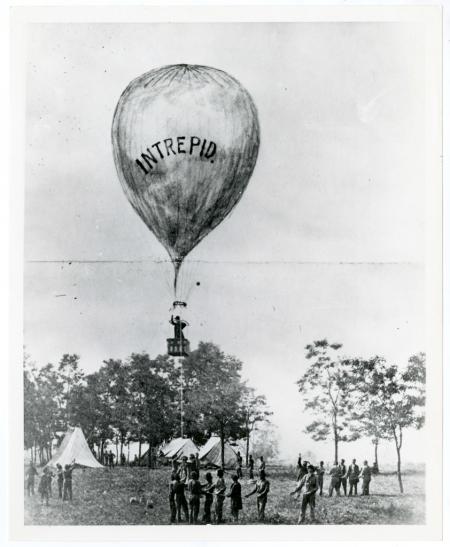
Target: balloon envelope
[{"x": 185, "y": 141}]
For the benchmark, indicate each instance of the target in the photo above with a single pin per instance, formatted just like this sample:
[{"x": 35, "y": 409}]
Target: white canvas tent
[
  {"x": 74, "y": 447},
  {"x": 179, "y": 447},
  {"x": 210, "y": 453}
]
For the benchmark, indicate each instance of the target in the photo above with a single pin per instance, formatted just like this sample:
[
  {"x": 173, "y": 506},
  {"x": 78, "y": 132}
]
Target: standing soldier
[
  {"x": 261, "y": 490},
  {"x": 262, "y": 464},
  {"x": 343, "y": 468},
  {"x": 194, "y": 493},
  {"x": 251, "y": 465},
  {"x": 60, "y": 479},
  {"x": 236, "y": 498},
  {"x": 239, "y": 465},
  {"x": 310, "y": 483},
  {"x": 299, "y": 462},
  {"x": 180, "y": 499},
  {"x": 208, "y": 489},
  {"x": 31, "y": 474},
  {"x": 44, "y": 486},
  {"x": 220, "y": 488},
  {"x": 173, "y": 485},
  {"x": 353, "y": 478},
  {"x": 320, "y": 474},
  {"x": 366, "y": 475},
  {"x": 67, "y": 487},
  {"x": 335, "y": 482}
]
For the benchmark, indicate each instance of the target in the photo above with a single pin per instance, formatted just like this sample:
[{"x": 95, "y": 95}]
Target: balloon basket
[{"x": 178, "y": 348}]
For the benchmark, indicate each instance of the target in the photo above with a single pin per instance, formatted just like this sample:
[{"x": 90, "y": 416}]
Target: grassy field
[{"x": 101, "y": 496}]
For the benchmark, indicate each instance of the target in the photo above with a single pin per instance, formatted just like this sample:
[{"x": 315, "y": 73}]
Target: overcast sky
[{"x": 328, "y": 240}]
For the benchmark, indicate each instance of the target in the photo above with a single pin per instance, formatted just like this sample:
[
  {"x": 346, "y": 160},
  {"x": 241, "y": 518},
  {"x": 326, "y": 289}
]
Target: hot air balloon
[{"x": 185, "y": 141}]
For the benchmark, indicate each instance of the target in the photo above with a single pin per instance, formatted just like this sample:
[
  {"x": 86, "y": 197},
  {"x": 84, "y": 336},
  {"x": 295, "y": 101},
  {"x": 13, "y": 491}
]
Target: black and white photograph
[{"x": 231, "y": 273}]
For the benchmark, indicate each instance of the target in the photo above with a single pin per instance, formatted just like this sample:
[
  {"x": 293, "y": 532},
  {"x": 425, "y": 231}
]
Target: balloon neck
[{"x": 177, "y": 265}]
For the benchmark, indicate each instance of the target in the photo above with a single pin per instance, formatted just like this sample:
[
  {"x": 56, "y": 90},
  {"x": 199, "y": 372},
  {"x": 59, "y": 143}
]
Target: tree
[
  {"x": 31, "y": 430},
  {"x": 255, "y": 412},
  {"x": 47, "y": 412},
  {"x": 153, "y": 398},
  {"x": 393, "y": 398},
  {"x": 215, "y": 392},
  {"x": 92, "y": 409},
  {"x": 327, "y": 392},
  {"x": 117, "y": 375},
  {"x": 70, "y": 378}
]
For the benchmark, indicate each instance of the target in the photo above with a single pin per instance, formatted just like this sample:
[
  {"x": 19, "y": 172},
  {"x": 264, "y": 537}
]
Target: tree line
[
  {"x": 354, "y": 398},
  {"x": 138, "y": 399}
]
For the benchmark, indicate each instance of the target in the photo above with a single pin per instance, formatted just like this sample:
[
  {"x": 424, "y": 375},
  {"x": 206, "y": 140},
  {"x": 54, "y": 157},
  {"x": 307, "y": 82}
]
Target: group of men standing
[
  {"x": 64, "y": 481},
  {"x": 341, "y": 475},
  {"x": 185, "y": 480}
]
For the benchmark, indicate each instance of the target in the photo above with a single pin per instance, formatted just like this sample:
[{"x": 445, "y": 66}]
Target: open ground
[{"x": 102, "y": 497}]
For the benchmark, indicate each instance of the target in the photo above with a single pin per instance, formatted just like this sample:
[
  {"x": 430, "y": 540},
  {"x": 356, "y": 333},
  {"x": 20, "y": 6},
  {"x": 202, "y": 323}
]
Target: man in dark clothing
[
  {"x": 44, "y": 486},
  {"x": 180, "y": 499},
  {"x": 299, "y": 462},
  {"x": 178, "y": 326},
  {"x": 236, "y": 498},
  {"x": 220, "y": 488},
  {"x": 60, "y": 480},
  {"x": 239, "y": 465},
  {"x": 335, "y": 483},
  {"x": 261, "y": 490},
  {"x": 310, "y": 483},
  {"x": 31, "y": 474},
  {"x": 208, "y": 489},
  {"x": 366, "y": 475},
  {"x": 251, "y": 466},
  {"x": 173, "y": 485},
  {"x": 353, "y": 478},
  {"x": 194, "y": 494},
  {"x": 67, "y": 490},
  {"x": 343, "y": 469},
  {"x": 320, "y": 474}
]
